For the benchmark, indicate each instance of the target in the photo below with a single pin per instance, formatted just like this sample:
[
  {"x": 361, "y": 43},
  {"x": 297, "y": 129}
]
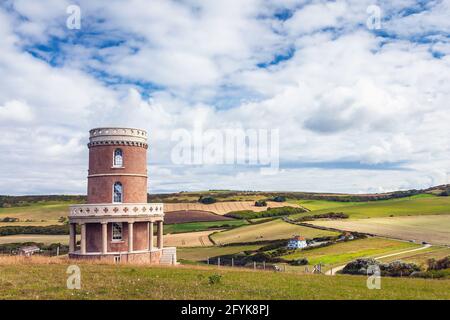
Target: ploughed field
[
  {"x": 183, "y": 216},
  {"x": 40, "y": 279}
]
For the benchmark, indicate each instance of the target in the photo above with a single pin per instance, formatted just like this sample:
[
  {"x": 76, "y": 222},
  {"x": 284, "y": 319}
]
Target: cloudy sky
[{"x": 357, "y": 109}]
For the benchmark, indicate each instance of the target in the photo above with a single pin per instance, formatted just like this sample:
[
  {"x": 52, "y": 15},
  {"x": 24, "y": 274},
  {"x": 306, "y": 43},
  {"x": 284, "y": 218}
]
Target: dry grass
[{"x": 189, "y": 239}]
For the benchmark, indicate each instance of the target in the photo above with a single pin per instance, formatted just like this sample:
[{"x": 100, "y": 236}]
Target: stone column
[
  {"x": 160, "y": 234},
  {"x": 83, "y": 238},
  {"x": 104, "y": 237},
  {"x": 130, "y": 236},
  {"x": 150, "y": 236},
  {"x": 72, "y": 237}
]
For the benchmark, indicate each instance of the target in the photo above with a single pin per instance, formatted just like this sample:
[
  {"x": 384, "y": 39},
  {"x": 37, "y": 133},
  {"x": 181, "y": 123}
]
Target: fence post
[
  {"x": 264, "y": 265},
  {"x": 57, "y": 250},
  {"x": 254, "y": 265},
  {"x": 232, "y": 262},
  {"x": 207, "y": 260},
  {"x": 218, "y": 262}
]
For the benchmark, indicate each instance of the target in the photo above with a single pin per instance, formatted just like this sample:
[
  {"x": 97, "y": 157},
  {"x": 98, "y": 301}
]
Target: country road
[{"x": 333, "y": 271}]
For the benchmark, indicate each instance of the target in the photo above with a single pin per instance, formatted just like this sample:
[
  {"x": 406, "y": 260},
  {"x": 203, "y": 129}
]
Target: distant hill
[{"x": 232, "y": 195}]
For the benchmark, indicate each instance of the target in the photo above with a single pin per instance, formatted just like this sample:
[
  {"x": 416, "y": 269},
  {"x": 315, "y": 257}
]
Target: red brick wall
[
  {"x": 140, "y": 232},
  {"x": 100, "y": 188},
  {"x": 93, "y": 237}
]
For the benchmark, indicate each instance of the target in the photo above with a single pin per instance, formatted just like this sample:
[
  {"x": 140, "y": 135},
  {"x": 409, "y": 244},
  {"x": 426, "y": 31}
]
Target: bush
[
  {"x": 300, "y": 262},
  {"x": 393, "y": 269},
  {"x": 279, "y": 199},
  {"x": 8, "y": 219},
  {"x": 54, "y": 230},
  {"x": 270, "y": 212},
  {"x": 215, "y": 279},
  {"x": 441, "y": 264},
  {"x": 206, "y": 200},
  {"x": 260, "y": 203},
  {"x": 329, "y": 215}
]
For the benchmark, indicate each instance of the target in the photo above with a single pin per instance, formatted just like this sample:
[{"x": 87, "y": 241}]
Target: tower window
[
  {"x": 117, "y": 192},
  {"x": 117, "y": 229},
  {"x": 118, "y": 158}
]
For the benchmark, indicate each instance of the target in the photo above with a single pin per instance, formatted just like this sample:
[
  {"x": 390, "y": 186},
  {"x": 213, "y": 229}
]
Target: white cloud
[{"x": 347, "y": 96}]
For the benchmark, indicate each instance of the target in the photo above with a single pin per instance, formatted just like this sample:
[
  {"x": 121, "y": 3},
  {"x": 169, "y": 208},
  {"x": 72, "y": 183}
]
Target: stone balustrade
[{"x": 119, "y": 209}]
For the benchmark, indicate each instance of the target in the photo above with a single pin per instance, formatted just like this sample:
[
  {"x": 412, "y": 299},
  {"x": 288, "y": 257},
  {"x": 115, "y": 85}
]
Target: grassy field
[
  {"x": 46, "y": 213},
  {"x": 47, "y": 239},
  {"x": 344, "y": 252},
  {"x": 48, "y": 281},
  {"x": 416, "y": 205},
  {"x": 198, "y": 254},
  {"x": 201, "y": 226},
  {"x": 272, "y": 230},
  {"x": 432, "y": 229}
]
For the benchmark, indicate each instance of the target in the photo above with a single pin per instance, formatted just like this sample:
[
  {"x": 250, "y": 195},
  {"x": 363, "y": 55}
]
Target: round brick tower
[{"x": 117, "y": 223}]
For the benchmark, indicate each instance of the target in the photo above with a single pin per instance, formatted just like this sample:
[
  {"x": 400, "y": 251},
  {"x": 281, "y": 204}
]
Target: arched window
[
  {"x": 118, "y": 158},
  {"x": 117, "y": 192}
]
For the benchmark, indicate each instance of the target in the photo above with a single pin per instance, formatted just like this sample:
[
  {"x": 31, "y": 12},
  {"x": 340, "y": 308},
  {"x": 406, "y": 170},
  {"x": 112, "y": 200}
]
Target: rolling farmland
[
  {"x": 413, "y": 206},
  {"x": 224, "y": 207},
  {"x": 272, "y": 230},
  {"x": 429, "y": 228}
]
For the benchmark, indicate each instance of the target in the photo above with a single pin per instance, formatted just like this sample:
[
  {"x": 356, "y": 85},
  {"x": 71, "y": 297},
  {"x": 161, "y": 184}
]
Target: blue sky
[{"x": 358, "y": 109}]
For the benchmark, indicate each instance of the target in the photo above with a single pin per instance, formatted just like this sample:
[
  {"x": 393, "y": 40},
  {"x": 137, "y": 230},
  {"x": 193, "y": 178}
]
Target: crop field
[
  {"x": 203, "y": 253},
  {"x": 46, "y": 239},
  {"x": 45, "y": 280},
  {"x": 192, "y": 216},
  {"x": 272, "y": 230},
  {"x": 188, "y": 239},
  {"x": 344, "y": 252},
  {"x": 416, "y": 205},
  {"x": 432, "y": 229},
  {"x": 202, "y": 226},
  {"x": 225, "y": 207}
]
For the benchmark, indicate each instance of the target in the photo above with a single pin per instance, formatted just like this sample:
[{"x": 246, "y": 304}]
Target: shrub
[
  {"x": 329, "y": 215},
  {"x": 393, "y": 269},
  {"x": 441, "y": 264},
  {"x": 215, "y": 279},
  {"x": 279, "y": 199},
  {"x": 260, "y": 203},
  {"x": 270, "y": 212},
  {"x": 300, "y": 262},
  {"x": 206, "y": 200},
  {"x": 54, "y": 229}
]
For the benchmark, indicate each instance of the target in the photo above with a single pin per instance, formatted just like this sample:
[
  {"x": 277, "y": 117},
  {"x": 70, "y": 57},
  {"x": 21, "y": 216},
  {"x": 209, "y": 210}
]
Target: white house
[{"x": 297, "y": 243}]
